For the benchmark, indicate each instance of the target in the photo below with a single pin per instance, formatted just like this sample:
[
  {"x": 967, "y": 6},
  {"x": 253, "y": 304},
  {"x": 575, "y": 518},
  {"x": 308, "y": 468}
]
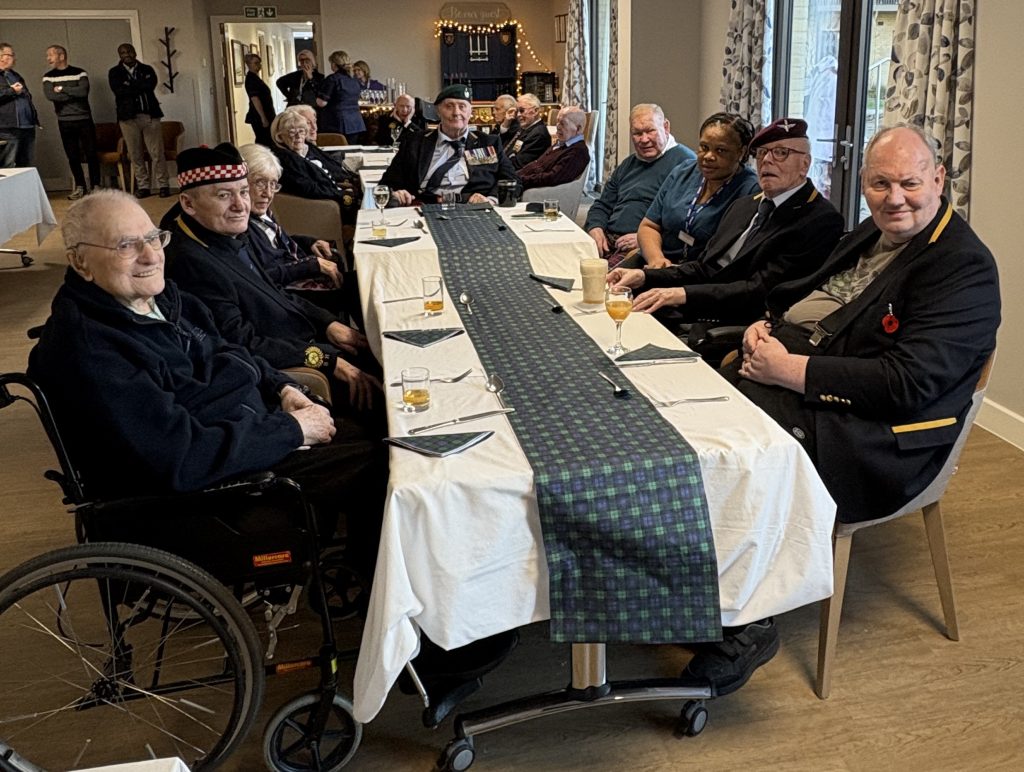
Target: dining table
[
  {"x": 462, "y": 552},
  {"x": 24, "y": 204}
]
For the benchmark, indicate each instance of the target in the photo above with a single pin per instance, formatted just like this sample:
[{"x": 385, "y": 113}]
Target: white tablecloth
[
  {"x": 23, "y": 203},
  {"x": 462, "y": 555},
  {"x": 151, "y": 765}
]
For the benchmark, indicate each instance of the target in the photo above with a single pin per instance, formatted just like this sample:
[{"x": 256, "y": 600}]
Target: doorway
[
  {"x": 276, "y": 43},
  {"x": 835, "y": 67}
]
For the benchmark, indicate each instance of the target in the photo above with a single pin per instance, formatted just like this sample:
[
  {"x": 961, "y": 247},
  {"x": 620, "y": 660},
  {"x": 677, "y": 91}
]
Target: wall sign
[
  {"x": 475, "y": 13},
  {"x": 260, "y": 11}
]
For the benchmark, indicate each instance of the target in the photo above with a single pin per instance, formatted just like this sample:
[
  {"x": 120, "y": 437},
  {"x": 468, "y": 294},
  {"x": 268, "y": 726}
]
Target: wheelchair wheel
[
  {"x": 115, "y": 652},
  {"x": 291, "y": 742}
]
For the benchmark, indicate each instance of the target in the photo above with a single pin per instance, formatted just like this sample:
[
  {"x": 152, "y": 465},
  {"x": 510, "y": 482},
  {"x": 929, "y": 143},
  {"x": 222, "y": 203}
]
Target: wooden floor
[{"x": 904, "y": 697}]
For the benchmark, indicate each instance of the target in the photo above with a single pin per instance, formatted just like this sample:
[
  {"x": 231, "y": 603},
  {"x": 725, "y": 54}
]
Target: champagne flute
[
  {"x": 381, "y": 196},
  {"x": 618, "y": 302},
  {"x": 396, "y": 132}
]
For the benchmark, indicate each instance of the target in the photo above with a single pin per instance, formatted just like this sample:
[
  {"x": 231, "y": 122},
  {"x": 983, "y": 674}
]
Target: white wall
[{"x": 995, "y": 200}]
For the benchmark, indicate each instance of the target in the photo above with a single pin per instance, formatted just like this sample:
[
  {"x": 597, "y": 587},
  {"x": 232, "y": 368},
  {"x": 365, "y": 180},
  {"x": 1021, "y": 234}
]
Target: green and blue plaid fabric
[{"x": 629, "y": 546}]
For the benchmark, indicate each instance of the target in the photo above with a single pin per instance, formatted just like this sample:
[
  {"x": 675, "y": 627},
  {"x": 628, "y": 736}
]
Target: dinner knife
[{"x": 462, "y": 420}]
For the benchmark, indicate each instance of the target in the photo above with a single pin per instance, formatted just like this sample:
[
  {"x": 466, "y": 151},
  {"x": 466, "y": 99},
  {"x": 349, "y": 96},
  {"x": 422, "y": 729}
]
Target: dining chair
[
  {"x": 319, "y": 217},
  {"x": 928, "y": 501},
  {"x": 568, "y": 194},
  {"x": 110, "y": 149},
  {"x": 330, "y": 139}
]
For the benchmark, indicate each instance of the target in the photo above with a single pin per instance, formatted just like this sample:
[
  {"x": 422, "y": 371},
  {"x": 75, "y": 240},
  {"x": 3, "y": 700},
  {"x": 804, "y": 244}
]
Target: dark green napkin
[
  {"x": 440, "y": 445},
  {"x": 555, "y": 281},
  {"x": 652, "y": 352},
  {"x": 389, "y": 242},
  {"x": 423, "y": 338}
]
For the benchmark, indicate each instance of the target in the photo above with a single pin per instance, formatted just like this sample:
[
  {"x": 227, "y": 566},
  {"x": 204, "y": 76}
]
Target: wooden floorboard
[{"x": 904, "y": 697}]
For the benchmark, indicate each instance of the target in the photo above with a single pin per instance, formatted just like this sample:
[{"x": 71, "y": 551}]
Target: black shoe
[
  {"x": 165, "y": 192},
  {"x": 143, "y": 193},
  {"x": 449, "y": 677},
  {"x": 728, "y": 664}
]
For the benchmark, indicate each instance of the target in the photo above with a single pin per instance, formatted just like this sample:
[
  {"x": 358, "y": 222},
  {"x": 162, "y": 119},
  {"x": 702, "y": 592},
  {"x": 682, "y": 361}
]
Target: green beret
[{"x": 454, "y": 91}]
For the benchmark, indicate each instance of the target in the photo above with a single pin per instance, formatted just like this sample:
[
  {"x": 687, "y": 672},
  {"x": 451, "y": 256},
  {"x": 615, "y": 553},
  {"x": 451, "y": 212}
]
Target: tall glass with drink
[
  {"x": 618, "y": 302},
  {"x": 381, "y": 196},
  {"x": 551, "y": 209},
  {"x": 593, "y": 271}
]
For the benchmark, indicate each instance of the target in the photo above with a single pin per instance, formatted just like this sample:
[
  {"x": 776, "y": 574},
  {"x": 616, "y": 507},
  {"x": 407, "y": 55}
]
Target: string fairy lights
[{"x": 447, "y": 25}]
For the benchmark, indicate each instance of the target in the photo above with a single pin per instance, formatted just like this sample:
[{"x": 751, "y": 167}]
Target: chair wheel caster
[
  {"x": 457, "y": 756},
  {"x": 291, "y": 743},
  {"x": 692, "y": 719}
]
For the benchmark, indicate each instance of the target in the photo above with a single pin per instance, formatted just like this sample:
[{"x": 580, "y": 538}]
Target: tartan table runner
[{"x": 624, "y": 518}]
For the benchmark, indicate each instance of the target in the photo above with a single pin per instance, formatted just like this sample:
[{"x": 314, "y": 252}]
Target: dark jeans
[
  {"x": 18, "y": 152},
  {"x": 79, "y": 140}
]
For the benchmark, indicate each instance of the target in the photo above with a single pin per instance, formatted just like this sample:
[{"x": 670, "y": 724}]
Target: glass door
[{"x": 834, "y": 57}]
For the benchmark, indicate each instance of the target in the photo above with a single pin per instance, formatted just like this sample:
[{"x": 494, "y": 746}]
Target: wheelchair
[{"x": 122, "y": 648}]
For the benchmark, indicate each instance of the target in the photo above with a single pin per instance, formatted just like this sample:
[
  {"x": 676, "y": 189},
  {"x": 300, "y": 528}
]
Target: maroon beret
[{"x": 783, "y": 128}]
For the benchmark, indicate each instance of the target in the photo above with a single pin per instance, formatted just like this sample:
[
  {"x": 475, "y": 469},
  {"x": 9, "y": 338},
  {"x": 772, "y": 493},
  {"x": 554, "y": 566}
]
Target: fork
[
  {"x": 673, "y": 402},
  {"x": 452, "y": 379}
]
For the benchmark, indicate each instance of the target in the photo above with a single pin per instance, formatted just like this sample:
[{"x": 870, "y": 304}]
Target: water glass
[
  {"x": 433, "y": 295},
  {"x": 593, "y": 271},
  {"x": 415, "y": 389},
  {"x": 551, "y": 209},
  {"x": 449, "y": 198}
]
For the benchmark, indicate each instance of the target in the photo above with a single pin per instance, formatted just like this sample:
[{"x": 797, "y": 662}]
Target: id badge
[{"x": 686, "y": 238}]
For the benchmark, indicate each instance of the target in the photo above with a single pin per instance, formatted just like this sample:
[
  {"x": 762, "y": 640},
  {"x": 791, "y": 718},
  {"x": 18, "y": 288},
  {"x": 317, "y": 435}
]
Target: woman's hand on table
[
  {"x": 362, "y": 387},
  {"x": 659, "y": 297}
]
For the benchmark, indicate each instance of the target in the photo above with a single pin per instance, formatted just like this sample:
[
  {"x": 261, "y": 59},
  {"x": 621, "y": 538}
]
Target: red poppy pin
[{"x": 889, "y": 322}]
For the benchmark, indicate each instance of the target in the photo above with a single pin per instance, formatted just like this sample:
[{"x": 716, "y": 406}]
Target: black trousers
[{"x": 79, "y": 140}]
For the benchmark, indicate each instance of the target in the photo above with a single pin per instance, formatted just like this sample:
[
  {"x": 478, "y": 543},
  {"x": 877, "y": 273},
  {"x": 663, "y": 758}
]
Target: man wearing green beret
[{"x": 449, "y": 158}]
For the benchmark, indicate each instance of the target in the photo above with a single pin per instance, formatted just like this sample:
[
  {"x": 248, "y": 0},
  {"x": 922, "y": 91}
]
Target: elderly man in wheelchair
[{"x": 172, "y": 438}]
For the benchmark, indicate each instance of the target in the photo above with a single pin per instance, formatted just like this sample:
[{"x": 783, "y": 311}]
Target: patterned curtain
[
  {"x": 611, "y": 113},
  {"x": 744, "y": 90},
  {"x": 931, "y": 82},
  {"x": 575, "y": 80}
]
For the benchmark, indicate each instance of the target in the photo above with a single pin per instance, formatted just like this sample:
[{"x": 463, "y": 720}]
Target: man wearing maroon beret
[{"x": 781, "y": 234}]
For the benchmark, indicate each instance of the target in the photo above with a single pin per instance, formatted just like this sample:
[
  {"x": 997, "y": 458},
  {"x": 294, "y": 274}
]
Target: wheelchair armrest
[{"x": 252, "y": 483}]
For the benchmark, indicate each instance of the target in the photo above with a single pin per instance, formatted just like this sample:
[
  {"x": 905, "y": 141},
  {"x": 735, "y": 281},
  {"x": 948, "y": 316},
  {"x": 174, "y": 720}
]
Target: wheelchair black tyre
[
  {"x": 291, "y": 743},
  {"x": 99, "y": 666}
]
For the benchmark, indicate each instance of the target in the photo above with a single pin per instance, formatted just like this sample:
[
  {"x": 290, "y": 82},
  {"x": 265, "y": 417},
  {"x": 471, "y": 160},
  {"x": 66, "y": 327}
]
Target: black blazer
[
  {"x": 134, "y": 96},
  {"x": 300, "y": 177},
  {"x": 411, "y": 162},
  {"x": 793, "y": 243},
  {"x": 383, "y": 137},
  {"x": 299, "y": 92},
  {"x": 528, "y": 144},
  {"x": 883, "y": 404},
  {"x": 277, "y": 262},
  {"x": 248, "y": 308}
]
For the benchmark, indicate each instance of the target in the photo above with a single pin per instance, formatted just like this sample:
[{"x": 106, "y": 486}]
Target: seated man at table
[
  {"x": 871, "y": 362},
  {"x": 778, "y": 235},
  {"x": 614, "y": 218},
  {"x": 506, "y": 118},
  {"x": 532, "y": 138},
  {"x": 151, "y": 399},
  {"x": 449, "y": 158},
  {"x": 565, "y": 160},
  {"x": 402, "y": 120},
  {"x": 211, "y": 256}
]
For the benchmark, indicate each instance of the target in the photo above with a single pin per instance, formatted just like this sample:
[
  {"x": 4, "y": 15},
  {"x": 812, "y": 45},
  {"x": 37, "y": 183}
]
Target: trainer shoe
[
  {"x": 76, "y": 194},
  {"x": 143, "y": 193},
  {"x": 728, "y": 664}
]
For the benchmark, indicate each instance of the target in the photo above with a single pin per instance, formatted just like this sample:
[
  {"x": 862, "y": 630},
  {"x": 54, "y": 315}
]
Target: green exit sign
[{"x": 260, "y": 11}]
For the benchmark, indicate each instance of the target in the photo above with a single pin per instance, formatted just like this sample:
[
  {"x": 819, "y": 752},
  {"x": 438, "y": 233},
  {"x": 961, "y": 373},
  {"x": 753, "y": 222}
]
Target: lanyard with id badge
[{"x": 685, "y": 235}]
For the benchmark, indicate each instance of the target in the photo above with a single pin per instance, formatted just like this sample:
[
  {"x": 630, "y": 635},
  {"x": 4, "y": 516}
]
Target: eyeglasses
[
  {"x": 296, "y": 133},
  {"x": 128, "y": 248},
  {"x": 778, "y": 153},
  {"x": 272, "y": 185}
]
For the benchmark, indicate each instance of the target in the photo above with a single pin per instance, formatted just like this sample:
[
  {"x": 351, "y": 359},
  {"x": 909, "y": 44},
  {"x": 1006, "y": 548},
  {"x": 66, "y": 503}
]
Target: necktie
[
  {"x": 440, "y": 171},
  {"x": 764, "y": 211},
  {"x": 246, "y": 258},
  {"x": 284, "y": 241}
]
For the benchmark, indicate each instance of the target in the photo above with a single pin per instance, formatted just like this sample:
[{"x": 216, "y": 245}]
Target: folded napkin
[
  {"x": 423, "y": 338},
  {"x": 440, "y": 445},
  {"x": 650, "y": 352},
  {"x": 554, "y": 281},
  {"x": 373, "y": 167},
  {"x": 389, "y": 242}
]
